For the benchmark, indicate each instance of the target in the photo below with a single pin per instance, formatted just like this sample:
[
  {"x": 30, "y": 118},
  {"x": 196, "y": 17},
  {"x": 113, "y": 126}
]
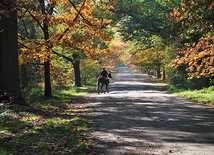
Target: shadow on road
[{"x": 137, "y": 117}]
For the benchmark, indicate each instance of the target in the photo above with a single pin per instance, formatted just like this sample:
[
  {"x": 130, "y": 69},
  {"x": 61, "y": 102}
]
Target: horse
[{"x": 104, "y": 82}]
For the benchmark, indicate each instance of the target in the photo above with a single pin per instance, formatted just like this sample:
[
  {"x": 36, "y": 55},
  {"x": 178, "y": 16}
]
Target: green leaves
[{"x": 144, "y": 19}]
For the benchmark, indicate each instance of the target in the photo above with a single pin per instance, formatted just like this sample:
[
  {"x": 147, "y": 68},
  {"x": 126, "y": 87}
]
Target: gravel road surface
[{"x": 139, "y": 118}]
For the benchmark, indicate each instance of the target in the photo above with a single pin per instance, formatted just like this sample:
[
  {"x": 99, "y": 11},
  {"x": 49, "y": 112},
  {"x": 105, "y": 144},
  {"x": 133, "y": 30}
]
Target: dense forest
[{"x": 54, "y": 44}]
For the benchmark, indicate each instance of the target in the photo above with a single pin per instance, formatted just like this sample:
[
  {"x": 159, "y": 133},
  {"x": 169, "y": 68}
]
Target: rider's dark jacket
[{"x": 104, "y": 73}]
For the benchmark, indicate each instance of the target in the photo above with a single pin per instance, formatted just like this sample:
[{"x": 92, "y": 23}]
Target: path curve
[{"x": 137, "y": 118}]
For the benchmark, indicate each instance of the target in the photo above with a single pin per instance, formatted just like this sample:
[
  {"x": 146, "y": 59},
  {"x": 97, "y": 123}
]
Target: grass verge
[
  {"x": 204, "y": 95},
  {"x": 57, "y": 125}
]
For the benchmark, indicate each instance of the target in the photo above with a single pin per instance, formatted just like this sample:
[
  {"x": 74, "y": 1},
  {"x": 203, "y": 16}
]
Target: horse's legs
[
  {"x": 98, "y": 87},
  {"x": 107, "y": 88},
  {"x": 104, "y": 83},
  {"x": 102, "y": 88},
  {"x": 107, "y": 83}
]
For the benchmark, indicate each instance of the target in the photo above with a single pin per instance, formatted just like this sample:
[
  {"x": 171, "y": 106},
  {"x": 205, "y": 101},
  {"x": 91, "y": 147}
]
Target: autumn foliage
[
  {"x": 198, "y": 59},
  {"x": 194, "y": 21},
  {"x": 71, "y": 25},
  {"x": 54, "y": 33}
]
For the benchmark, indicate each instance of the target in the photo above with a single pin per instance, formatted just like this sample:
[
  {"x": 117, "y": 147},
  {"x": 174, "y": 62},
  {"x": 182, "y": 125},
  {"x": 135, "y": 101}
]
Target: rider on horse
[
  {"x": 104, "y": 74},
  {"x": 104, "y": 80}
]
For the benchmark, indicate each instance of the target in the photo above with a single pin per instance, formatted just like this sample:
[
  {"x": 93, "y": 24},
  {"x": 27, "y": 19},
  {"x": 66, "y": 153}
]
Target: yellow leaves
[
  {"x": 72, "y": 26},
  {"x": 60, "y": 71},
  {"x": 31, "y": 52}
]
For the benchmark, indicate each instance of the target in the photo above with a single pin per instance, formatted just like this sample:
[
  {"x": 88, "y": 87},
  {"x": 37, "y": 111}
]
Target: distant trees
[
  {"x": 145, "y": 24},
  {"x": 175, "y": 37}
]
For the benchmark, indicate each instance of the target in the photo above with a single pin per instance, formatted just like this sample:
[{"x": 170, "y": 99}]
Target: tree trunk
[
  {"x": 24, "y": 77},
  {"x": 164, "y": 74},
  {"x": 47, "y": 63},
  {"x": 47, "y": 79},
  {"x": 76, "y": 65},
  {"x": 158, "y": 71},
  {"x": 9, "y": 70}
]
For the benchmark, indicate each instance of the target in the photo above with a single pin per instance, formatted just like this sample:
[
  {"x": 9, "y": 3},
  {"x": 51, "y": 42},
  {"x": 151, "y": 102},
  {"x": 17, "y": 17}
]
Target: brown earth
[{"x": 139, "y": 118}]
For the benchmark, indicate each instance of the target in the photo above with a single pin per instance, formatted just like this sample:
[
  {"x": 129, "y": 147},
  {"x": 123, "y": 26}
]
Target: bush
[
  {"x": 180, "y": 80},
  {"x": 3, "y": 152},
  {"x": 89, "y": 71},
  {"x": 32, "y": 93}
]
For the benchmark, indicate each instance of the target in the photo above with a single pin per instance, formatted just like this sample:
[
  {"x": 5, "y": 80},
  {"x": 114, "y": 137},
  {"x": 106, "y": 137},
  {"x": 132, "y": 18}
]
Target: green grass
[
  {"x": 57, "y": 125},
  {"x": 204, "y": 95}
]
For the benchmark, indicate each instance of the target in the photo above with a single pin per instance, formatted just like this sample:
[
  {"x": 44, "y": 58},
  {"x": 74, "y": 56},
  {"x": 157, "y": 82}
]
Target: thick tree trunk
[
  {"x": 9, "y": 70},
  {"x": 158, "y": 73},
  {"x": 76, "y": 65}
]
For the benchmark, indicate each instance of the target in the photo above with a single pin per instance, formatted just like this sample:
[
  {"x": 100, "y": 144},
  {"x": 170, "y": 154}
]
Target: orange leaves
[
  {"x": 77, "y": 25},
  {"x": 101, "y": 34},
  {"x": 193, "y": 13},
  {"x": 32, "y": 52},
  {"x": 199, "y": 59},
  {"x": 175, "y": 16},
  {"x": 197, "y": 21},
  {"x": 100, "y": 23}
]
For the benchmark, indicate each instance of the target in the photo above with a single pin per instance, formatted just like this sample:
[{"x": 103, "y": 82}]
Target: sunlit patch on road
[{"x": 139, "y": 117}]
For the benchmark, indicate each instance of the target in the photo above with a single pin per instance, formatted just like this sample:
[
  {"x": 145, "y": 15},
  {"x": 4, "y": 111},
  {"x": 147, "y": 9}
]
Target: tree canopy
[
  {"x": 194, "y": 23},
  {"x": 155, "y": 35},
  {"x": 78, "y": 26}
]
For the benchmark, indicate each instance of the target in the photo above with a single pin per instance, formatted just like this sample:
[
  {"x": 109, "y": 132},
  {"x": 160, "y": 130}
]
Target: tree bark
[
  {"x": 158, "y": 71},
  {"x": 76, "y": 65},
  {"x": 9, "y": 70},
  {"x": 164, "y": 74},
  {"x": 24, "y": 77},
  {"x": 48, "y": 92}
]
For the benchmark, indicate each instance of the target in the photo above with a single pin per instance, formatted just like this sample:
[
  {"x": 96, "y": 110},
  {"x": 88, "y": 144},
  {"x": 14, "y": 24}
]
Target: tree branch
[
  {"x": 63, "y": 56},
  {"x": 40, "y": 25},
  {"x": 78, "y": 11}
]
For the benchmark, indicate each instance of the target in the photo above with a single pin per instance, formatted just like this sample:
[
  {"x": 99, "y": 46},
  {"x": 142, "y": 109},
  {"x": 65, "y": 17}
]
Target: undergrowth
[{"x": 56, "y": 125}]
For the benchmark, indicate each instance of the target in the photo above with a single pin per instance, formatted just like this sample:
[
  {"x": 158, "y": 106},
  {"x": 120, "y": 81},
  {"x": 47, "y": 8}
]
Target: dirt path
[{"x": 137, "y": 118}]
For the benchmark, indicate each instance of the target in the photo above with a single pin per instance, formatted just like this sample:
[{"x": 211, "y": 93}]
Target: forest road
[{"x": 138, "y": 118}]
